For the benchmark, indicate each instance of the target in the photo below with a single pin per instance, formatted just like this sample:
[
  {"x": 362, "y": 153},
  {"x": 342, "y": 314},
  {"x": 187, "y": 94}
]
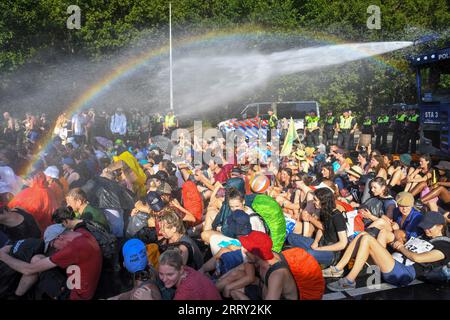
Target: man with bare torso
[{"x": 276, "y": 281}]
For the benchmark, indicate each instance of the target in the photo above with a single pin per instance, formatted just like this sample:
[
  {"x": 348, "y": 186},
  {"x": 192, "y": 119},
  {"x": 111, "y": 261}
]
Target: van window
[
  {"x": 296, "y": 111},
  {"x": 264, "y": 108},
  {"x": 251, "y": 112}
]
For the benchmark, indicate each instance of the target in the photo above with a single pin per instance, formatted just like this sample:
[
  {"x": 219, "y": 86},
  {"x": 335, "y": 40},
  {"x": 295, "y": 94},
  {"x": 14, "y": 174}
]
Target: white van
[{"x": 254, "y": 118}]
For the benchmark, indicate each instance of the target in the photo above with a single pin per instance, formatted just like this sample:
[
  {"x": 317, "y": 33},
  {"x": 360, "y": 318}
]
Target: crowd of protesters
[{"x": 104, "y": 197}]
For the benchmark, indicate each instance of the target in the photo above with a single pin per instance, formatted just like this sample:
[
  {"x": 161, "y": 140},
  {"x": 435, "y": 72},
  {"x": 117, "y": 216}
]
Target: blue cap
[
  {"x": 430, "y": 219},
  {"x": 134, "y": 255},
  {"x": 68, "y": 161},
  {"x": 154, "y": 201}
]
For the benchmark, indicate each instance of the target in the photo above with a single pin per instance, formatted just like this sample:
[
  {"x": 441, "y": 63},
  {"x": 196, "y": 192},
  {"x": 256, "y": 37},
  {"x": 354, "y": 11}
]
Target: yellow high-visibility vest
[
  {"x": 345, "y": 123},
  {"x": 169, "y": 121},
  {"x": 312, "y": 122}
]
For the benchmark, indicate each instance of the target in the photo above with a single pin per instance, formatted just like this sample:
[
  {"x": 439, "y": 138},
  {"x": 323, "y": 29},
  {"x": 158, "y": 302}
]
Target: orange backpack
[
  {"x": 307, "y": 273},
  {"x": 192, "y": 200}
]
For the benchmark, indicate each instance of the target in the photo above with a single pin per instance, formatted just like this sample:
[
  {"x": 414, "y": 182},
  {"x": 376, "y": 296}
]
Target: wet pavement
[{"x": 365, "y": 290}]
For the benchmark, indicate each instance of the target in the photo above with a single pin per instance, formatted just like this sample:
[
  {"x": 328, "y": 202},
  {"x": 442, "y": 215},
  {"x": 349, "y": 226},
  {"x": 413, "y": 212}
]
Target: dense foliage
[{"x": 28, "y": 27}]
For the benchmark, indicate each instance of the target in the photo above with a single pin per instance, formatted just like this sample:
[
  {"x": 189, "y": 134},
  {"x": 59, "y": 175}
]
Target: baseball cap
[
  {"x": 258, "y": 243},
  {"x": 154, "y": 201},
  {"x": 68, "y": 161},
  {"x": 321, "y": 148},
  {"x": 405, "y": 199},
  {"x": 430, "y": 219},
  {"x": 52, "y": 172},
  {"x": 443, "y": 165},
  {"x": 52, "y": 232},
  {"x": 134, "y": 255},
  {"x": 140, "y": 155},
  {"x": 405, "y": 159}
]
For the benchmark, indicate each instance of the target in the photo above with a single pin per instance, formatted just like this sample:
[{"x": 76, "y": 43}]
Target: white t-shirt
[{"x": 256, "y": 221}]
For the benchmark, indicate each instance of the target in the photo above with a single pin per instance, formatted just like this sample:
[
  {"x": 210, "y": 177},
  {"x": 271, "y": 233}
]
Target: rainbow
[{"x": 133, "y": 64}]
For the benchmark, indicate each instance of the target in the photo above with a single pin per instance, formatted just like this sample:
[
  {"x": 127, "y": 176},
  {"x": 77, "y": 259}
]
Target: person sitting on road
[{"x": 396, "y": 271}]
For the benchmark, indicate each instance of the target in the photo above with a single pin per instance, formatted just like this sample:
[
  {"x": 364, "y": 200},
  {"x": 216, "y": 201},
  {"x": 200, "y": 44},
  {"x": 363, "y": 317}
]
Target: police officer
[
  {"x": 367, "y": 127},
  {"x": 170, "y": 123},
  {"x": 345, "y": 127},
  {"x": 273, "y": 124},
  {"x": 329, "y": 126},
  {"x": 399, "y": 136},
  {"x": 157, "y": 125},
  {"x": 312, "y": 129},
  {"x": 412, "y": 129},
  {"x": 381, "y": 130}
]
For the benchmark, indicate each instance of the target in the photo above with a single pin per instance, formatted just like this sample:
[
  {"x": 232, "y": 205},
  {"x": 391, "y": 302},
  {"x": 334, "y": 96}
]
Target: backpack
[
  {"x": 354, "y": 222},
  {"x": 106, "y": 241},
  {"x": 439, "y": 274},
  {"x": 306, "y": 272}
]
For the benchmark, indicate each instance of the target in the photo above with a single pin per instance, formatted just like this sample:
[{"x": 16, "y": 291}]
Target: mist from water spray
[
  {"x": 202, "y": 83},
  {"x": 206, "y": 76}
]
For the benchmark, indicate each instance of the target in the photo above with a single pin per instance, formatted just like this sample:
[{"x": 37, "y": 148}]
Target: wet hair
[
  {"x": 396, "y": 164},
  {"x": 382, "y": 183},
  {"x": 380, "y": 161},
  {"x": 303, "y": 176},
  {"x": 390, "y": 157},
  {"x": 427, "y": 158},
  {"x": 377, "y": 152},
  {"x": 148, "y": 274},
  {"x": 329, "y": 167},
  {"x": 171, "y": 219},
  {"x": 77, "y": 194},
  {"x": 233, "y": 194},
  {"x": 63, "y": 213},
  {"x": 364, "y": 154},
  {"x": 171, "y": 257},
  {"x": 327, "y": 203},
  {"x": 288, "y": 171}
]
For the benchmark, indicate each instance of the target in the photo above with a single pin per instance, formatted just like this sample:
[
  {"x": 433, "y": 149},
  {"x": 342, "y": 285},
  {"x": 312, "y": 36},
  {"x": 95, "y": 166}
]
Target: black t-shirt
[
  {"x": 27, "y": 229},
  {"x": 23, "y": 250},
  {"x": 332, "y": 227},
  {"x": 440, "y": 245}
]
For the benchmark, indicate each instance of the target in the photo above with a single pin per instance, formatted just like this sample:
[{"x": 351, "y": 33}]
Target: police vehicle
[
  {"x": 253, "y": 120},
  {"x": 433, "y": 98}
]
